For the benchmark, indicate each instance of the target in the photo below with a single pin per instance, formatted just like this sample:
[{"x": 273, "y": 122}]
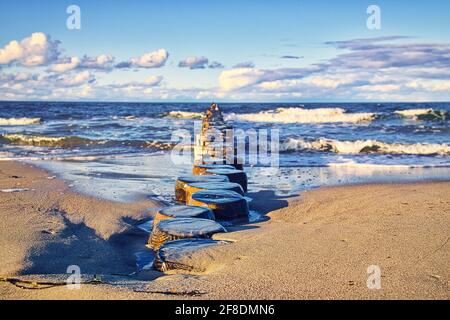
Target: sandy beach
[{"x": 315, "y": 246}]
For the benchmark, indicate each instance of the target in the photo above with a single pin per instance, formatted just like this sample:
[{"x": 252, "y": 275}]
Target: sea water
[{"x": 121, "y": 151}]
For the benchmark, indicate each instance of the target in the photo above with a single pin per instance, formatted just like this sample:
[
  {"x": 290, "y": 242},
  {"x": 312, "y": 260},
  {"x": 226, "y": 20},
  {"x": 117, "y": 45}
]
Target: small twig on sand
[
  {"x": 32, "y": 285},
  {"x": 193, "y": 293},
  {"x": 436, "y": 250},
  {"x": 39, "y": 285}
]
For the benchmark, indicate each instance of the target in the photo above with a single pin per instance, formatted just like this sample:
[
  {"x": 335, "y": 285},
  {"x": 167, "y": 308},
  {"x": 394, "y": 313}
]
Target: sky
[{"x": 245, "y": 50}]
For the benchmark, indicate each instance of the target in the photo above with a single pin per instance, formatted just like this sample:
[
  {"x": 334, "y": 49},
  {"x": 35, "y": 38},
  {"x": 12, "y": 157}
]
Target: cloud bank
[
  {"x": 384, "y": 68},
  {"x": 392, "y": 68}
]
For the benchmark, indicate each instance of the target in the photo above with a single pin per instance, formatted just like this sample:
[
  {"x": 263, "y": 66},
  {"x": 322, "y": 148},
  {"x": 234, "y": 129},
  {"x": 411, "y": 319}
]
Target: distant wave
[
  {"x": 19, "y": 121},
  {"x": 46, "y": 141},
  {"x": 364, "y": 146},
  {"x": 301, "y": 115},
  {"x": 423, "y": 114},
  {"x": 74, "y": 141},
  {"x": 184, "y": 114}
]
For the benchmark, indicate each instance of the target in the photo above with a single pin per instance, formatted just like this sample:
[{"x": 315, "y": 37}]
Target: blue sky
[{"x": 225, "y": 50}]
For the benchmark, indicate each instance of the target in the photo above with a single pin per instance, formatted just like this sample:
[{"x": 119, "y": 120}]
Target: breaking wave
[
  {"x": 46, "y": 141},
  {"x": 423, "y": 114},
  {"x": 301, "y": 115},
  {"x": 364, "y": 146},
  {"x": 74, "y": 141},
  {"x": 19, "y": 121},
  {"x": 184, "y": 115}
]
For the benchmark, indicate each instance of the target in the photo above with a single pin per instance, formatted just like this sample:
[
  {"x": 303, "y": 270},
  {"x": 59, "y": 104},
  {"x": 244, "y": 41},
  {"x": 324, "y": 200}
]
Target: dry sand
[{"x": 316, "y": 246}]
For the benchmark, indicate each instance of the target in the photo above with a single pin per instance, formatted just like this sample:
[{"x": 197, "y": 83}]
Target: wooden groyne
[{"x": 212, "y": 194}]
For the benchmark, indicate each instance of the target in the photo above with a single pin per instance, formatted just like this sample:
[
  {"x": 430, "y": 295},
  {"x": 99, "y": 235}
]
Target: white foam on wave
[
  {"x": 31, "y": 138},
  {"x": 373, "y": 166},
  {"x": 418, "y": 114},
  {"x": 14, "y": 190},
  {"x": 413, "y": 112},
  {"x": 19, "y": 121},
  {"x": 76, "y": 158},
  {"x": 365, "y": 146},
  {"x": 4, "y": 157},
  {"x": 185, "y": 115},
  {"x": 48, "y": 141},
  {"x": 75, "y": 141},
  {"x": 301, "y": 115}
]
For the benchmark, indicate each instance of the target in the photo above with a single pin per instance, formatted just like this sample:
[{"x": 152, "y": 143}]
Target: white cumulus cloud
[
  {"x": 239, "y": 78},
  {"x": 155, "y": 59},
  {"x": 194, "y": 62},
  {"x": 36, "y": 50},
  {"x": 102, "y": 62},
  {"x": 66, "y": 65},
  {"x": 153, "y": 80},
  {"x": 76, "y": 80}
]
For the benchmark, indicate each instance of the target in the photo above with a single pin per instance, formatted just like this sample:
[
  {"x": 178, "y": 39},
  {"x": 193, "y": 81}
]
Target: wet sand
[{"x": 316, "y": 246}]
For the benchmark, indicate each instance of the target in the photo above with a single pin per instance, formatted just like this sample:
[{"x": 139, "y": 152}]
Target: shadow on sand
[
  {"x": 266, "y": 201},
  {"x": 262, "y": 203},
  {"x": 78, "y": 245}
]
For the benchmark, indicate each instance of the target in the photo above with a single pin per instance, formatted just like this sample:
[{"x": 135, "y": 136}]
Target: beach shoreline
[{"x": 315, "y": 246}]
